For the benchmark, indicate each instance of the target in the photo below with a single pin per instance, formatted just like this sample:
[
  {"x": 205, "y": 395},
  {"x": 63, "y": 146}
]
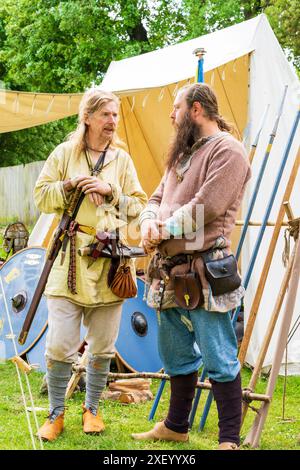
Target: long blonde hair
[{"x": 92, "y": 100}]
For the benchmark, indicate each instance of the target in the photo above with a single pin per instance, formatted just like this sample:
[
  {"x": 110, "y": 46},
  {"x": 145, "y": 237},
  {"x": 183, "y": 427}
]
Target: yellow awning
[{"x": 20, "y": 110}]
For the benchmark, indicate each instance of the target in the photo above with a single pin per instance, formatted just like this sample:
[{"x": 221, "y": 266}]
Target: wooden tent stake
[
  {"x": 22, "y": 365},
  {"x": 73, "y": 382}
]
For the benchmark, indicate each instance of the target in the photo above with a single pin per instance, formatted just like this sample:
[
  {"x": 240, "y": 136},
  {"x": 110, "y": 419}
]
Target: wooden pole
[
  {"x": 255, "y": 223},
  {"x": 267, "y": 339},
  {"x": 268, "y": 261},
  {"x": 288, "y": 210},
  {"x": 254, "y": 434},
  {"x": 154, "y": 375},
  {"x": 273, "y": 319},
  {"x": 199, "y": 53},
  {"x": 255, "y": 143},
  {"x": 259, "y": 179}
]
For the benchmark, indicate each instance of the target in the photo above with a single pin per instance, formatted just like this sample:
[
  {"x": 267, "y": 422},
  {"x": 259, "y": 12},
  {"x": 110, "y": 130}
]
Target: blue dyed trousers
[{"x": 182, "y": 334}]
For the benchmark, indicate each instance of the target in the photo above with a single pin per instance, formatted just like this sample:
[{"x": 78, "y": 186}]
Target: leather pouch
[
  {"x": 188, "y": 290},
  {"x": 123, "y": 284},
  {"x": 222, "y": 274}
]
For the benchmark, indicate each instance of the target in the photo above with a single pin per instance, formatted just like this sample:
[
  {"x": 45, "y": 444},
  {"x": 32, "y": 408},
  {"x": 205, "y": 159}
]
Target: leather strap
[
  {"x": 72, "y": 265},
  {"x": 86, "y": 229},
  {"x": 74, "y": 226}
]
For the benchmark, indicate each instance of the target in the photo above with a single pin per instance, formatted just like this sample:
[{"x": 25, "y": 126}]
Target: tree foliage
[
  {"x": 66, "y": 45},
  {"x": 284, "y": 16}
]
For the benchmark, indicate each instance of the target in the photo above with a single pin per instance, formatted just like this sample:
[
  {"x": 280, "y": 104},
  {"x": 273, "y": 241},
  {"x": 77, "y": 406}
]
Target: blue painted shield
[
  {"x": 20, "y": 275},
  {"x": 136, "y": 345},
  {"x": 36, "y": 355}
]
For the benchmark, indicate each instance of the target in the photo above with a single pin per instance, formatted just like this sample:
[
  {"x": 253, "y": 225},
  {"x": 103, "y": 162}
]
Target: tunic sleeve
[{"x": 49, "y": 195}]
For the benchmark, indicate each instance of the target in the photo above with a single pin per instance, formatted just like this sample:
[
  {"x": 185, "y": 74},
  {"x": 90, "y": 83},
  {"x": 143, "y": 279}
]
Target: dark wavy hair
[
  {"x": 188, "y": 132},
  {"x": 205, "y": 95}
]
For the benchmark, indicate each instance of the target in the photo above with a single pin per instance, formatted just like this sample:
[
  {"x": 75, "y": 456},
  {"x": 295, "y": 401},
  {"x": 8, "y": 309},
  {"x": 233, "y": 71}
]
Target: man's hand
[
  {"x": 91, "y": 184},
  {"x": 150, "y": 234},
  {"x": 153, "y": 232},
  {"x": 95, "y": 188},
  {"x": 96, "y": 198},
  {"x": 72, "y": 183}
]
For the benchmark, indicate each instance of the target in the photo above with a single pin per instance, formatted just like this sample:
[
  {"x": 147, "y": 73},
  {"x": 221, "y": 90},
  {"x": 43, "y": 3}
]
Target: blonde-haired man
[{"x": 89, "y": 298}]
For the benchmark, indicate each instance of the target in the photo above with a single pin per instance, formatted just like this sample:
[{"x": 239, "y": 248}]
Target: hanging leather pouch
[
  {"x": 221, "y": 274},
  {"x": 123, "y": 284},
  {"x": 188, "y": 290}
]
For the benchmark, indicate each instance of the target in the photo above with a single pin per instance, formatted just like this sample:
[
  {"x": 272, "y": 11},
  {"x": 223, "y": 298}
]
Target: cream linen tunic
[{"x": 128, "y": 201}]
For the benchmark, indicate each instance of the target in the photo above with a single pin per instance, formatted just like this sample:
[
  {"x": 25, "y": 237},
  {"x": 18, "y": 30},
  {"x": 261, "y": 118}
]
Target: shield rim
[{"x": 46, "y": 324}]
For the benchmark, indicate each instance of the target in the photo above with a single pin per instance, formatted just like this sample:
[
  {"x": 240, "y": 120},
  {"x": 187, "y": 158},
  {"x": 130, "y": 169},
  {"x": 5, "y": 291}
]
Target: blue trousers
[{"x": 182, "y": 334}]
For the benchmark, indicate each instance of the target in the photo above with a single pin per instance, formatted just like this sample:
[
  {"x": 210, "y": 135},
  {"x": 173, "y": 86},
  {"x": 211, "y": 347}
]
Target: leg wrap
[
  {"x": 228, "y": 396},
  {"x": 58, "y": 376},
  {"x": 96, "y": 377},
  {"x": 182, "y": 394}
]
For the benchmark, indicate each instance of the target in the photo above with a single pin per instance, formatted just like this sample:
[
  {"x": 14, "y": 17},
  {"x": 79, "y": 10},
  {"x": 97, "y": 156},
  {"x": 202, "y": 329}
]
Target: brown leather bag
[
  {"x": 123, "y": 284},
  {"x": 188, "y": 290}
]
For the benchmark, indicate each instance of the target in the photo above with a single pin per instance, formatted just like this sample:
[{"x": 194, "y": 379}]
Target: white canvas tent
[
  {"x": 247, "y": 67},
  {"x": 248, "y": 70}
]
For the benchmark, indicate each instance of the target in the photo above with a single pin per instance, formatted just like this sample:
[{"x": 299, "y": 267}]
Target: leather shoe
[
  {"x": 162, "y": 433},
  {"x": 52, "y": 428},
  {"x": 92, "y": 424},
  {"x": 228, "y": 446}
]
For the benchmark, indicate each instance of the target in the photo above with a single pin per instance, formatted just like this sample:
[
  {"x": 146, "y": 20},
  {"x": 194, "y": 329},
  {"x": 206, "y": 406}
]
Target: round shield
[
  {"x": 20, "y": 275},
  {"x": 136, "y": 345},
  {"x": 36, "y": 355}
]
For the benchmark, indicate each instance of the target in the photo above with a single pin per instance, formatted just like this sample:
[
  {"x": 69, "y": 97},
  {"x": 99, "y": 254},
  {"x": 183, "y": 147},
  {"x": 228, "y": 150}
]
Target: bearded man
[{"x": 193, "y": 278}]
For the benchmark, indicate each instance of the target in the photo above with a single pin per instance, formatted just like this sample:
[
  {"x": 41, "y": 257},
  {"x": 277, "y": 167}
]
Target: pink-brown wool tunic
[{"x": 210, "y": 184}]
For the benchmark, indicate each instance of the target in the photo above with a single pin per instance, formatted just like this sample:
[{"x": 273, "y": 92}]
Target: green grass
[
  {"x": 122, "y": 420},
  {"x": 3, "y": 254}
]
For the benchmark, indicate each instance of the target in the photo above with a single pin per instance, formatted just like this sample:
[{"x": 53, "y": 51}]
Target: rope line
[
  {"x": 25, "y": 405},
  {"x": 19, "y": 377},
  {"x": 294, "y": 329}
]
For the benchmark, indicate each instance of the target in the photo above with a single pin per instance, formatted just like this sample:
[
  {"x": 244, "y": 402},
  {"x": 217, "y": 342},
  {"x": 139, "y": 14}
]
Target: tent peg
[{"x": 22, "y": 365}]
